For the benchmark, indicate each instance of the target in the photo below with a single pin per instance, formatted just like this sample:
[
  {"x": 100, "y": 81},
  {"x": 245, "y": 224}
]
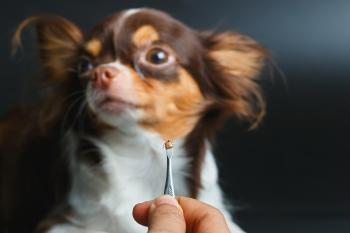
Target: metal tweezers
[{"x": 169, "y": 186}]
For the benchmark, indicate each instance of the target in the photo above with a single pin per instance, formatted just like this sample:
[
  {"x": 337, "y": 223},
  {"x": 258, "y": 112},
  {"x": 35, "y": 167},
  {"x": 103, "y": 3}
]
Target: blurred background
[{"x": 293, "y": 173}]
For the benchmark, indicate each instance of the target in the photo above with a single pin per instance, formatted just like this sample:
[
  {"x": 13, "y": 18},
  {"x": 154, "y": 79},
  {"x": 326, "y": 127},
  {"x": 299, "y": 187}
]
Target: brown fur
[
  {"x": 242, "y": 59},
  {"x": 58, "y": 41}
]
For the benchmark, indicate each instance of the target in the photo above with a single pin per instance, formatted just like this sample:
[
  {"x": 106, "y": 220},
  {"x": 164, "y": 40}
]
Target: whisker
[
  {"x": 80, "y": 115},
  {"x": 84, "y": 152},
  {"x": 73, "y": 94},
  {"x": 70, "y": 108}
]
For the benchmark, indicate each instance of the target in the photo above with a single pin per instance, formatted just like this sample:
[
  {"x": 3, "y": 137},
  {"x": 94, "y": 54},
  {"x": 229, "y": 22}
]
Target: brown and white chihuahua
[{"x": 81, "y": 158}]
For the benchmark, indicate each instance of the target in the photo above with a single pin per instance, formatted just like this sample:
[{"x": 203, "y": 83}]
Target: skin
[{"x": 181, "y": 215}]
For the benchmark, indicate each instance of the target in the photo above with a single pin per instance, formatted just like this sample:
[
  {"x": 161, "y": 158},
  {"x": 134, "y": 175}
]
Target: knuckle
[{"x": 217, "y": 213}]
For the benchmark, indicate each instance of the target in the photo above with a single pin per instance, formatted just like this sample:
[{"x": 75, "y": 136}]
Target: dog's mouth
[{"x": 114, "y": 104}]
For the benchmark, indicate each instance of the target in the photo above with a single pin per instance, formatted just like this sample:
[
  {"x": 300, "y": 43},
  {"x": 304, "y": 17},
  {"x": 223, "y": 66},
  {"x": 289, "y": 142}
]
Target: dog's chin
[{"x": 117, "y": 114}]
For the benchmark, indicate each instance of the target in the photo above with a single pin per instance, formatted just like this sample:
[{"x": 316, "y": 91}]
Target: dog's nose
[{"x": 103, "y": 76}]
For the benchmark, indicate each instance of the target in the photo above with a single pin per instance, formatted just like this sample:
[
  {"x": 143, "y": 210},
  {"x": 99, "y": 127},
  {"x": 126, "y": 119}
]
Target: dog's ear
[
  {"x": 58, "y": 42},
  {"x": 234, "y": 62}
]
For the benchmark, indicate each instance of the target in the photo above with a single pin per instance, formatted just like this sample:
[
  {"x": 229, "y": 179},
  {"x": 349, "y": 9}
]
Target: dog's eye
[
  {"x": 157, "y": 56},
  {"x": 84, "y": 66}
]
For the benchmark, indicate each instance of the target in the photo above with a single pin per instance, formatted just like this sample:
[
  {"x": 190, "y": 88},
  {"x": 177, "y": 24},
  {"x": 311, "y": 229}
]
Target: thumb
[{"x": 165, "y": 216}]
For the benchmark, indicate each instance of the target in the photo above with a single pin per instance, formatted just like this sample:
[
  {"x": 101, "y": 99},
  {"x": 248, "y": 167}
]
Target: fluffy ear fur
[
  {"x": 234, "y": 63},
  {"x": 58, "y": 41}
]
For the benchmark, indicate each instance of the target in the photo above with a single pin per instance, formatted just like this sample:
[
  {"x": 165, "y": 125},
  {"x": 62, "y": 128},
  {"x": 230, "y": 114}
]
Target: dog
[{"x": 92, "y": 147}]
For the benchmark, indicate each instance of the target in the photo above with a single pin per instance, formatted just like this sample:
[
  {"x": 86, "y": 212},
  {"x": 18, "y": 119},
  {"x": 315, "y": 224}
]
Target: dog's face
[
  {"x": 143, "y": 68},
  {"x": 137, "y": 64}
]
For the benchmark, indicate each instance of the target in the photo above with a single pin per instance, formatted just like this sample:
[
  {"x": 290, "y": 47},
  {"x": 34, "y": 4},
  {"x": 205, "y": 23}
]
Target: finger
[
  {"x": 165, "y": 215},
  {"x": 201, "y": 217},
  {"x": 140, "y": 212}
]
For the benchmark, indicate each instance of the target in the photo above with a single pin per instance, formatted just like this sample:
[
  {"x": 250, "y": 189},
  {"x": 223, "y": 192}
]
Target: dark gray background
[{"x": 291, "y": 175}]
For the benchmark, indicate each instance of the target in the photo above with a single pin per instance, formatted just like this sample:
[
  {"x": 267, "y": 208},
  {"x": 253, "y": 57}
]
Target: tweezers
[{"x": 169, "y": 186}]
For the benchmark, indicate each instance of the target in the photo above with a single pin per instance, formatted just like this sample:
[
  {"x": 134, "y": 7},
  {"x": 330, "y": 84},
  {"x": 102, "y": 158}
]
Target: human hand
[{"x": 181, "y": 215}]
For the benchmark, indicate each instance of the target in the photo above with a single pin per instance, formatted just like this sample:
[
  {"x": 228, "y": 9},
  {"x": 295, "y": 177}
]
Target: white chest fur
[{"x": 134, "y": 168}]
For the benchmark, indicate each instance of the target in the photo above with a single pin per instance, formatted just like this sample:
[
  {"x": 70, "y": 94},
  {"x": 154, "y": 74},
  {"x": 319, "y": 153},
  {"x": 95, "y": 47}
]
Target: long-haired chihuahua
[{"x": 92, "y": 147}]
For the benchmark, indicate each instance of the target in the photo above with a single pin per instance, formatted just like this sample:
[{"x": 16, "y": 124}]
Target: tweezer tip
[{"x": 168, "y": 145}]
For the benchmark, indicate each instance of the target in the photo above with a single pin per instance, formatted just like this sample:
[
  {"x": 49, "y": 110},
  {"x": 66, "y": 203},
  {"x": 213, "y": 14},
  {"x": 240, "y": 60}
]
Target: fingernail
[
  {"x": 164, "y": 200},
  {"x": 143, "y": 203}
]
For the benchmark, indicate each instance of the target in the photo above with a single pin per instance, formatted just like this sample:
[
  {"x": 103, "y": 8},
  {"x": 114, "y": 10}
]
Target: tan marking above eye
[
  {"x": 93, "y": 47},
  {"x": 145, "y": 34}
]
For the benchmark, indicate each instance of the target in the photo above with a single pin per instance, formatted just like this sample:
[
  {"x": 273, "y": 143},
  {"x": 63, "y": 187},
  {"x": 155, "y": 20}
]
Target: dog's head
[{"x": 143, "y": 68}]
